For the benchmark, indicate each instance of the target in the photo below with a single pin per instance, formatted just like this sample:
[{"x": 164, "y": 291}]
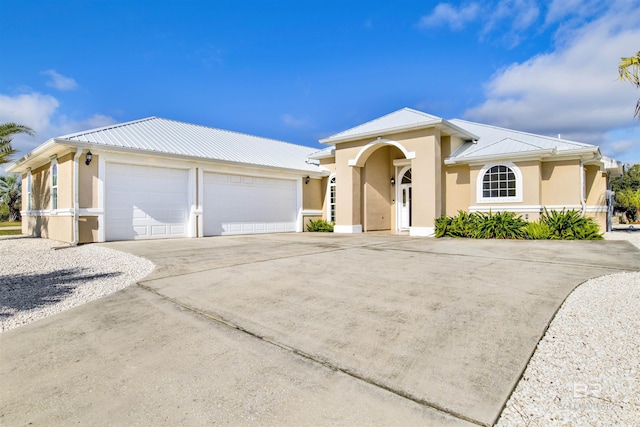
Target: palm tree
[
  {"x": 630, "y": 200},
  {"x": 10, "y": 194},
  {"x": 629, "y": 69},
  {"x": 7, "y": 130}
]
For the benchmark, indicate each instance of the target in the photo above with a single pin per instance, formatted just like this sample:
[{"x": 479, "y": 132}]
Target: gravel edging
[
  {"x": 38, "y": 280},
  {"x": 586, "y": 369}
]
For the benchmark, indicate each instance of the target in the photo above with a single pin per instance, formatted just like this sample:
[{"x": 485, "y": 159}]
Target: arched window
[
  {"x": 331, "y": 206},
  {"x": 500, "y": 183}
]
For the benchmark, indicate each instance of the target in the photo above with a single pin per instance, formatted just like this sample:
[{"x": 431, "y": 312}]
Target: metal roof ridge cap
[{"x": 103, "y": 128}]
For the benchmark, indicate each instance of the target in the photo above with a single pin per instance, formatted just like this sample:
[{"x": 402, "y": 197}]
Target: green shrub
[
  {"x": 537, "y": 231},
  {"x": 320, "y": 225},
  {"x": 461, "y": 225},
  {"x": 570, "y": 225},
  {"x": 558, "y": 225},
  {"x": 477, "y": 225},
  {"x": 501, "y": 225}
]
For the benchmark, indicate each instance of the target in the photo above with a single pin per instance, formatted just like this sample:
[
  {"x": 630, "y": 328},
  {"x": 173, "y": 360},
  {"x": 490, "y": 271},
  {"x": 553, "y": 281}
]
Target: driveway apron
[{"x": 434, "y": 331}]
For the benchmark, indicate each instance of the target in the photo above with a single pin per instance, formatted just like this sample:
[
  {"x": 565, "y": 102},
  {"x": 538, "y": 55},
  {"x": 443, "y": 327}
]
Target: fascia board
[
  {"x": 538, "y": 155},
  {"x": 148, "y": 153},
  {"x": 380, "y": 132},
  {"x": 33, "y": 158},
  {"x": 460, "y": 132}
]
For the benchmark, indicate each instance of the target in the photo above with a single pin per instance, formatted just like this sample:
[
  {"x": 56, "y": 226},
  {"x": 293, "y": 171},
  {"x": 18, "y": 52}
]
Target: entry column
[{"x": 348, "y": 188}]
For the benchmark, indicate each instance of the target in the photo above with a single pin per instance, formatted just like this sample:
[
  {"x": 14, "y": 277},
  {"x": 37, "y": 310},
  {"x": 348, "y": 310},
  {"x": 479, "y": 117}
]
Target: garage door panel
[
  {"x": 242, "y": 204},
  {"x": 144, "y": 202}
]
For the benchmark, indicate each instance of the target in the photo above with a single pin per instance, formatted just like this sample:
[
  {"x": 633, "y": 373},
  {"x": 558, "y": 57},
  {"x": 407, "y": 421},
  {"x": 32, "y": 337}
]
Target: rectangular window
[
  {"x": 54, "y": 185},
  {"x": 29, "y": 186}
]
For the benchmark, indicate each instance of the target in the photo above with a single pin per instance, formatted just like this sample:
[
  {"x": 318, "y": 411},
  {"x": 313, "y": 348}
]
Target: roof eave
[
  {"x": 128, "y": 150},
  {"x": 37, "y": 156},
  {"x": 319, "y": 156},
  {"x": 527, "y": 155}
]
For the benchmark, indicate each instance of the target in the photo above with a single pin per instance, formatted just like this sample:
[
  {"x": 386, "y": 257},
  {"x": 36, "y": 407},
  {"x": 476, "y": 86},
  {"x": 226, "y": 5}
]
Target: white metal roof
[
  {"x": 500, "y": 142},
  {"x": 158, "y": 135},
  {"x": 400, "y": 120}
]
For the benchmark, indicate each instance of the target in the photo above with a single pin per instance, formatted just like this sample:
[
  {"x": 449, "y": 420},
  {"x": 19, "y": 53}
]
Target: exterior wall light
[
  {"x": 89, "y": 157},
  {"x": 307, "y": 179},
  {"x": 393, "y": 181}
]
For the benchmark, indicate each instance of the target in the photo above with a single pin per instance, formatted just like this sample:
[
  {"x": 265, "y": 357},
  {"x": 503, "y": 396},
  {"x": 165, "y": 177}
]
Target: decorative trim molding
[
  {"x": 535, "y": 208},
  {"x": 422, "y": 231},
  {"x": 347, "y": 229},
  {"x": 311, "y": 212}
]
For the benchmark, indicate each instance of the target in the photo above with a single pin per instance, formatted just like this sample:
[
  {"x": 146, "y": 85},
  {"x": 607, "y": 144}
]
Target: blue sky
[{"x": 302, "y": 70}]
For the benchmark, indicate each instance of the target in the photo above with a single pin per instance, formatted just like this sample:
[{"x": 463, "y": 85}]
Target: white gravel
[
  {"x": 37, "y": 280},
  {"x": 586, "y": 369}
]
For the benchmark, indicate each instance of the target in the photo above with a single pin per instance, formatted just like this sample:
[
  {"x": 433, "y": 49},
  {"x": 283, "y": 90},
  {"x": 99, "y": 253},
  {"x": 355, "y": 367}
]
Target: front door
[
  {"x": 405, "y": 200},
  {"x": 405, "y": 207}
]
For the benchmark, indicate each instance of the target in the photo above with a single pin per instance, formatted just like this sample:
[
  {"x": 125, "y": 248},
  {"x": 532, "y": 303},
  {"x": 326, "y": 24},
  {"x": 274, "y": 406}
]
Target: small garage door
[
  {"x": 143, "y": 202},
  {"x": 240, "y": 204}
]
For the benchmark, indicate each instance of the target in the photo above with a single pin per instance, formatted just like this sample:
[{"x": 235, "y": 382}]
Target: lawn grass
[
  {"x": 10, "y": 232},
  {"x": 10, "y": 223}
]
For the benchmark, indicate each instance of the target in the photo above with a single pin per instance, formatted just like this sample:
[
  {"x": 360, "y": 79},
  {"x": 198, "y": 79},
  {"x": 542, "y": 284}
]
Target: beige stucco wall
[
  {"x": 456, "y": 189},
  {"x": 560, "y": 183},
  {"x": 596, "y": 186},
  {"x": 88, "y": 182},
  {"x": 41, "y": 188},
  {"x": 377, "y": 192},
  {"x": 50, "y": 227},
  {"x": 312, "y": 194},
  {"x": 87, "y": 229},
  {"x": 65, "y": 181}
]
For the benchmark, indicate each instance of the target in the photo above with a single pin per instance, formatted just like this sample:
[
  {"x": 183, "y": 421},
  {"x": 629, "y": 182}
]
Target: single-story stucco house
[{"x": 159, "y": 178}]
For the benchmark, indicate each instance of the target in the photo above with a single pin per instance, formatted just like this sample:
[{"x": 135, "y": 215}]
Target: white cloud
[
  {"x": 573, "y": 90},
  {"x": 572, "y": 9},
  {"x": 511, "y": 16},
  {"x": 60, "y": 82},
  {"x": 40, "y": 112},
  {"x": 289, "y": 120},
  {"x": 445, "y": 14},
  {"x": 31, "y": 109}
]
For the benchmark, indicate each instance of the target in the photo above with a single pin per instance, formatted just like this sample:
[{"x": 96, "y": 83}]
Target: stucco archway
[
  {"x": 377, "y": 186},
  {"x": 371, "y": 147}
]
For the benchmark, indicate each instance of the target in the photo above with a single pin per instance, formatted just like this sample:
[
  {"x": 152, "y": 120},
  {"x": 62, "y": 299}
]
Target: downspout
[{"x": 76, "y": 198}]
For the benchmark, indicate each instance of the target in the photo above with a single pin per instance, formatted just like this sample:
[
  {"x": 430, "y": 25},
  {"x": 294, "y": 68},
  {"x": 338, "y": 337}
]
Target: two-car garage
[{"x": 146, "y": 202}]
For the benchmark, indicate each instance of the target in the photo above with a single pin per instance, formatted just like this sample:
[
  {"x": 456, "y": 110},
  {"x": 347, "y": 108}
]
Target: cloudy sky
[{"x": 302, "y": 70}]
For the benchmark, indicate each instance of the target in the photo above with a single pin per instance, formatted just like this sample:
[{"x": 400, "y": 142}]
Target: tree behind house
[{"x": 10, "y": 195}]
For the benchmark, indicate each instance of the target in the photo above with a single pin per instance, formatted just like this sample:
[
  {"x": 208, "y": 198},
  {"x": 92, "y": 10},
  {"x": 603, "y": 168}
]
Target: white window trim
[
  {"x": 54, "y": 162},
  {"x": 516, "y": 170},
  {"x": 29, "y": 192},
  {"x": 329, "y": 185}
]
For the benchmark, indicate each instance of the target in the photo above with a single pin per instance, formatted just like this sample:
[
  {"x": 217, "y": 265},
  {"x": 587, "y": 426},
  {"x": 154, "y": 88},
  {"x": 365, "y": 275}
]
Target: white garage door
[
  {"x": 143, "y": 202},
  {"x": 239, "y": 204}
]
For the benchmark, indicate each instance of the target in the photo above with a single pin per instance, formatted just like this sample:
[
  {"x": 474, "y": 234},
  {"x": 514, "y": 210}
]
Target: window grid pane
[{"x": 499, "y": 181}]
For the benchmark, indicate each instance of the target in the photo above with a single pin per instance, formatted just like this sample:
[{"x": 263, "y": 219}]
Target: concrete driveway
[{"x": 304, "y": 329}]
